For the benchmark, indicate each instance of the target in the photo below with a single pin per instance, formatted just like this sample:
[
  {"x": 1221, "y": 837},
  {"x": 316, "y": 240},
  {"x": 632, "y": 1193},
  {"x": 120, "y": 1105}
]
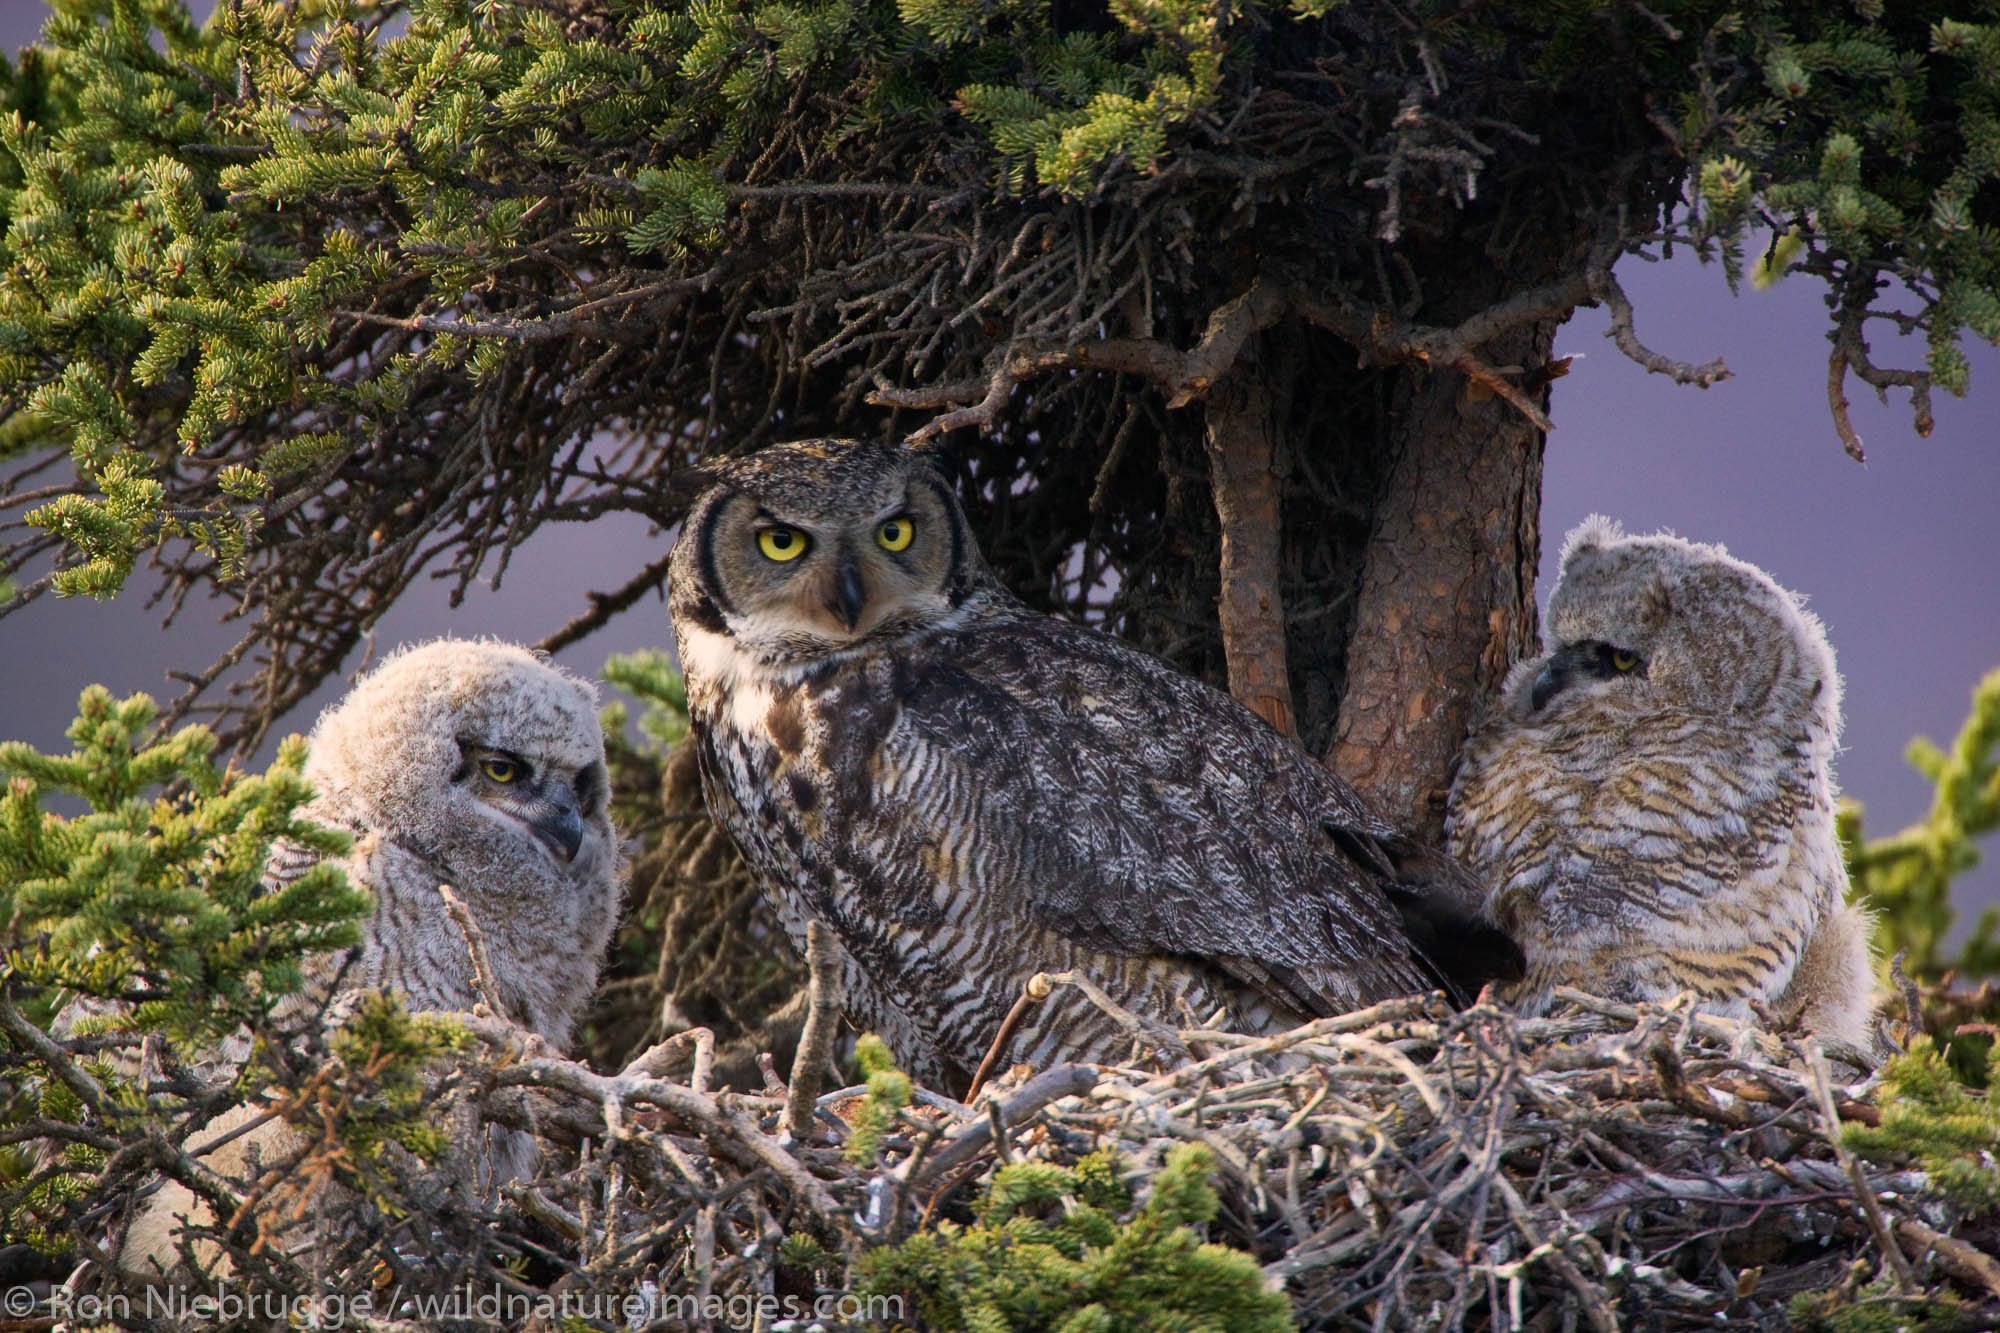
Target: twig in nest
[
  {"x": 970, "y": 1139},
  {"x": 1691, "y": 1097},
  {"x": 1034, "y": 992},
  {"x": 657, "y": 1059},
  {"x": 1971, "y": 1265},
  {"x": 1160, "y": 1037},
  {"x": 1822, "y": 1086},
  {"x": 726, "y": 1128},
  {"x": 1595, "y": 1308},
  {"x": 475, "y": 943},
  {"x": 815, "y": 1051}
]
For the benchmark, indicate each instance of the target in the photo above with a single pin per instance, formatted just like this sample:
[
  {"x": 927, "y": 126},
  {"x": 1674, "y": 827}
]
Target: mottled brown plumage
[
  {"x": 970, "y": 792},
  {"x": 1653, "y": 801},
  {"x": 476, "y": 764}
]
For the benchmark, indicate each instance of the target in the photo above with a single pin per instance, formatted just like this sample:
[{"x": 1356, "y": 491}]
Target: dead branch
[{"x": 475, "y": 943}]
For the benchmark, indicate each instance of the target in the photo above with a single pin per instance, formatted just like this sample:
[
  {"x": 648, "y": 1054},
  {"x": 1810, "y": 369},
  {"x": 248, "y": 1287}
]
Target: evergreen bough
[
  {"x": 1907, "y": 876},
  {"x": 333, "y": 289},
  {"x": 1061, "y": 1249},
  {"x": 157, "y": 898},
  {"x": 1930, "y": 1116}
]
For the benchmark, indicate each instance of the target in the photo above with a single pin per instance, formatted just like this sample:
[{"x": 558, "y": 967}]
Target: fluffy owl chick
[
  {"x": 1652, "y": 803},
  {"x": 478, "y": 765},
  {"x": 969, "y": 792}
]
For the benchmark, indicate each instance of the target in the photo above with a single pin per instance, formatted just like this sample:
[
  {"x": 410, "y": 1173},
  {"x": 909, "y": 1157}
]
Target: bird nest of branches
[{"x": 1406, "y": 1166}]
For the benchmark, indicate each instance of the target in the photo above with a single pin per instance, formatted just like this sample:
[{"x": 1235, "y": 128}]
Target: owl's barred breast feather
[{"x": 1652, "y": 800}]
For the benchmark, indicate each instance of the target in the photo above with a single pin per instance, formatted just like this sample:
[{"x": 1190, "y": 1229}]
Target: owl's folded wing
[{"x": 1138, "y": 811}]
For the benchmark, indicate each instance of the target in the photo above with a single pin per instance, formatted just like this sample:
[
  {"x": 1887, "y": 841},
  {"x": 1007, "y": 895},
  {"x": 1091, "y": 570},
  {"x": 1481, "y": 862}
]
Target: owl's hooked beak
[
  {"x": 558, "y": 822},
  {"x": 850, "y": 597},
  {"x": 1551, "y": 679}
]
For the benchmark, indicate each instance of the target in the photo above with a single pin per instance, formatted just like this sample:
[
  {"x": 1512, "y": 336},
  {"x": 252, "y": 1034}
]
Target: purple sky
[{"x": 1896, "y": 556}]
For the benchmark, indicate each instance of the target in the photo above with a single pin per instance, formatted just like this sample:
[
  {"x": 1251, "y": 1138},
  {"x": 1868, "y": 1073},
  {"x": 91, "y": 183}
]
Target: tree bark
[
  {"x": 1242, "y": 420},
  {"x": 1447, "y": 596}
]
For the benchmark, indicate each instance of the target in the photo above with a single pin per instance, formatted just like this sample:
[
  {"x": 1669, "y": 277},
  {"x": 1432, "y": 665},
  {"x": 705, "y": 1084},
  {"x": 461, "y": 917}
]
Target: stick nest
[{"x": 1401, "y": 1167}]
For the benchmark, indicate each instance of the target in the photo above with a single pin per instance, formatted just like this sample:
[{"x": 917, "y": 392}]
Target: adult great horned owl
[
  {"x": 1652, "y": 803},
  {"x": 476, "y": 765},
  {"x": 969, "y": 792}
]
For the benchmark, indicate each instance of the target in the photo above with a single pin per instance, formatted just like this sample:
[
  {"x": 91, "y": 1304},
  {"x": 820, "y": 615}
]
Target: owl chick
[
  {"x": 1652, "y": 803},
  {"x": 477, "y": 765},
  {"x": 969, "y": 792}
]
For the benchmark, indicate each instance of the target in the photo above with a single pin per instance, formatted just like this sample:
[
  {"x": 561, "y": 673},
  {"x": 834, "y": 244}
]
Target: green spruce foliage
[
  {"x": 1061, "y": 1248},
  {"x": 330, "y": 288},
  {"x": 151, "y": 909},
  {"x": 1907, "y": 876},
  {"x": 156, "y": 897},
  {"x": 650, "y": 678},
  {"x": 888, "y": 1093},
  {"x": 385, "y": 1050},
  {"x": 1949, "y": 1130}
]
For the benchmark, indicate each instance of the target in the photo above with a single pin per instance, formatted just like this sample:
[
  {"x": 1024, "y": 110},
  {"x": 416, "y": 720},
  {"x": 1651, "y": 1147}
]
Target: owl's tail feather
[{"x": 1443, "y": 907}]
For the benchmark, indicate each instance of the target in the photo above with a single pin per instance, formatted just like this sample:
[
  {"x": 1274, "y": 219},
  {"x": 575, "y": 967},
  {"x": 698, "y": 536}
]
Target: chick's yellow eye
[
  {"x": 781, "y": 544},
  {"x": 502, "y": 771},
  {"x": 896, "y": 534},
  {"x": 1623, "y": 661}
]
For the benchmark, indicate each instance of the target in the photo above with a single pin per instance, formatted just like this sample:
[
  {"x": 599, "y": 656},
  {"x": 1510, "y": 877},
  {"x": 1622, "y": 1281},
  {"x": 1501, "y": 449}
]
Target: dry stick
[
  {"x": 475, "y": 942},
  {"x": 657, "y": 1059},
  {"x": 1836, "y": 402},
  {"x": 1600, "y": 1315},
  {"x": 1713, "y": 1026},
  {"x": 1692, "y": 1097},
  {"x": 1035, "y": 991},
  {"x": 1242, "y": 449},
  {"x": 1608, "y": 290},
  {"x": 556, "y": 324},
  {"x": 604, "y": 605},
  {"x": 970, "y": 1139},
  {"x": 815, "y": 1051},
  {"x": 1967, "y": 1263},
  {"x": 726, "y": 1128},
  {"x": 1134, "y": 1026},
  {"x": 44, "y": 1048},
  {"x": 1822, "y": 1085}
]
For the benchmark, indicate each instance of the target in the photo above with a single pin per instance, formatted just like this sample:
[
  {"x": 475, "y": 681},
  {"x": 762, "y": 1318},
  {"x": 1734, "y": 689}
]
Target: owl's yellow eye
[
  {"x": 1622, "y": 660},
  {"x": 781, "y": 544},
  {"x": 896, "y": 534},
  {"x": 502, "y": 771}
]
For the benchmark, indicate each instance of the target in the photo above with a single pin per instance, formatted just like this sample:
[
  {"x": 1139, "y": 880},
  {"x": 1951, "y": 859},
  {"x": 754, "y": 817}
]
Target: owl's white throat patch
[{"x": 720, "y": 672}]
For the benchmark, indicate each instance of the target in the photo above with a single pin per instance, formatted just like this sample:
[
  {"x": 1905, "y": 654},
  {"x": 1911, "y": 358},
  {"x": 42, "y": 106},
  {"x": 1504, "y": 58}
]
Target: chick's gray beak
[
  {"x": 1554, "y": 677},
  {"x": 559, "y": 824},
  {"x": 1547, "y": 682}
]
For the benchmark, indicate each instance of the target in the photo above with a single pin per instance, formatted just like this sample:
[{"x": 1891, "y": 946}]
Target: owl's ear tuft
[
  {"x": 1593, "y": 534},
  {"x": 683, "y": 485},
  {"x": 1656, "y": 604}
]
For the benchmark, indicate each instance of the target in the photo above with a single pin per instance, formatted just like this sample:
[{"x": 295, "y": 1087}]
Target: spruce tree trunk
[
  {"x": 1447, "y": 595},
  {"x": 1244, "y": 416},
  {"x": 1433, "y": 526}
]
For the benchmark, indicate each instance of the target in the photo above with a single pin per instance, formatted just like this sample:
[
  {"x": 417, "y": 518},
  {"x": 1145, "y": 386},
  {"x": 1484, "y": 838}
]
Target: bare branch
[
  {"x": 604, "y": 605},
  {"x": 483, "y": 979},
  {"x": 1606, "y": 288}
]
